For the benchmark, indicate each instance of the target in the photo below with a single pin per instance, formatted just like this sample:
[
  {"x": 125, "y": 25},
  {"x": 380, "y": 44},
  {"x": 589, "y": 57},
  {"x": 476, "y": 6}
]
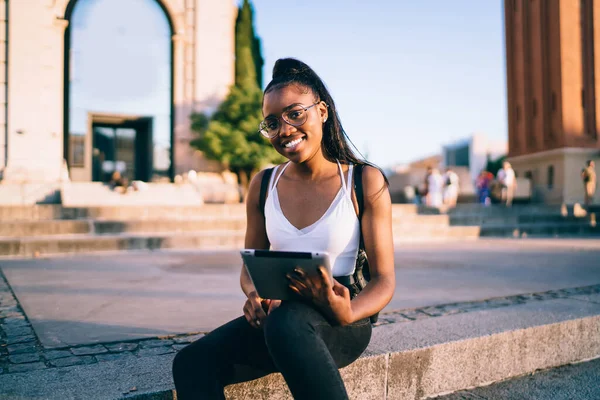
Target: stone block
[
  {"x": 22, "y": 348},
  {"x": 24, "y": 358},
  {"x": 155, "y": 351},
  {"x": 119, "y": 347},
  {"x": 20, "y": 339},
  {"x": 70, "y": 361},
  {"x": 55, "y": 354},
  {"x": 26, "y": 367},
  {"x": 88, "y": 350},
  {"x": 146, "y": 344}
]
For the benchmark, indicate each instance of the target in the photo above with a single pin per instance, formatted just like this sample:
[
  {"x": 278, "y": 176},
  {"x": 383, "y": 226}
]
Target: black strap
[
  {"x": 358, "y": 190},
  {"x": 264, "y": 186}
]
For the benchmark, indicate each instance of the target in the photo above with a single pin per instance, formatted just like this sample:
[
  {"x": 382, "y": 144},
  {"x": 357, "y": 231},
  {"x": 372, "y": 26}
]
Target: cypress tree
[{"x": 245, "y": 38}]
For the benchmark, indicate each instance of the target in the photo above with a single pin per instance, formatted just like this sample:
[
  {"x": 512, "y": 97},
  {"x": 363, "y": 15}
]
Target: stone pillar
[
  {"x": 35, "y": 92},
  {"x": 3, "y": 83}
]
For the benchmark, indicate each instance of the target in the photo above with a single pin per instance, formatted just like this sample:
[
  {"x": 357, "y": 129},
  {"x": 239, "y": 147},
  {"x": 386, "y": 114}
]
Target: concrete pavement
[{"x": 107, "y": 298}]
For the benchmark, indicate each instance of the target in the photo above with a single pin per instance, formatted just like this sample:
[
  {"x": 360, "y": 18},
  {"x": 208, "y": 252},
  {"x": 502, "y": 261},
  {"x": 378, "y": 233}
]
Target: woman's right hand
[{"x": 256, "y": 309}]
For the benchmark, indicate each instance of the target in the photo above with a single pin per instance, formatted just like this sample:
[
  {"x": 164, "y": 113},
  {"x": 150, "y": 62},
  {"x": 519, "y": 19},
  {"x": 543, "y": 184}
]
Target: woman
[{"x": 310, "y": 206}]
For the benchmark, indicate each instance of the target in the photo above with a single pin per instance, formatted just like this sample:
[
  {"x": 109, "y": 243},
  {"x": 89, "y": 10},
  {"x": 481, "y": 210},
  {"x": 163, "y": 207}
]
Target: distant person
[
  {"x": 588, "y": 175},
  {"x": 118, "y": 182},
  {"x": 506, "y": 178},
  {"x": 482, "y": 184},
  {"x": 435, "y": 184},
  {"x": 451, "y": 183},
  {"x": 424, "y": 189}
]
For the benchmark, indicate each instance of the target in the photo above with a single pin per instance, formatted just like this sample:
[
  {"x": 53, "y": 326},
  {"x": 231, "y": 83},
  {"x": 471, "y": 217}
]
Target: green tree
[
  {"x": 246, "y": 38},
  {"x": 231, "y": 135}
]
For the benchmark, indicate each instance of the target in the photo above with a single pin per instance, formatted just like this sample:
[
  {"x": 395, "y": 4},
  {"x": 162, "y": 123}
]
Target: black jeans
[{"x": 295, "y": 340}]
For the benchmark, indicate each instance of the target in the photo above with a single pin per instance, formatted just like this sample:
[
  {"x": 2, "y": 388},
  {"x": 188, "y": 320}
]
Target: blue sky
[{"x": 407, "y": 75}]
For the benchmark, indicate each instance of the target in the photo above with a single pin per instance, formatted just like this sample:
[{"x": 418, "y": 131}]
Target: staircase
[{"x": 32, "y": 231}]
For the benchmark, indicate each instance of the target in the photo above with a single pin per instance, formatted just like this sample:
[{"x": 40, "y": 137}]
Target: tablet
[{"x": 268, "y": 270}]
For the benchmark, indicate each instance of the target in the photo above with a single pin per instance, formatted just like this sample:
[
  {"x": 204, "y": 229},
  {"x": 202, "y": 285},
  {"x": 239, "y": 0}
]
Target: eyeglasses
[{"x": 297, "y": 116}]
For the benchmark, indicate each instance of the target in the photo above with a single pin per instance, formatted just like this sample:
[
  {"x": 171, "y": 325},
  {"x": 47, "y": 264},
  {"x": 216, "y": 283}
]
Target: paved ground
[
  {"x": 577, "y": 381},
  {"x": 108, "y": 298}
]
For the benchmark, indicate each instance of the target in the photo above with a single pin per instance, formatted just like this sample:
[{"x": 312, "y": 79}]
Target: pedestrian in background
[
  {"x": 588, "y": 175},
  {"x": 435, "y": 185},
  {"x": 451, "y": 183},
  {"x": 506, "y": 177}
]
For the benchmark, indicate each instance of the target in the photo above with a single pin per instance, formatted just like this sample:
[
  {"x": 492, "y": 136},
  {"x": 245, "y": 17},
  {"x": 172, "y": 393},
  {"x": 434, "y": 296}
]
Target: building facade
[
  {"x": 553, "y": 82},
  {"x": 37, "y": 129}
]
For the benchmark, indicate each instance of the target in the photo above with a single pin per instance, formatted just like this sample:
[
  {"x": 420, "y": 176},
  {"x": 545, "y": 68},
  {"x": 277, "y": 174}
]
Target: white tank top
[{"x": 337, "y": 232}]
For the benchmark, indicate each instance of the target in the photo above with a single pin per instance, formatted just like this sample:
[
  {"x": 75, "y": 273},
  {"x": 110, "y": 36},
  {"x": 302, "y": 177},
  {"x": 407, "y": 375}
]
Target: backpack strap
[
  {"x": 358, "y": 190},
  {"x": 264, "y": 186}
]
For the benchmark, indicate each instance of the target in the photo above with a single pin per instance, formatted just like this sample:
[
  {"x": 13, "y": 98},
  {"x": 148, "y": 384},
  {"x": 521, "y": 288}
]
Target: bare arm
[{"x": 377, "y": 235}]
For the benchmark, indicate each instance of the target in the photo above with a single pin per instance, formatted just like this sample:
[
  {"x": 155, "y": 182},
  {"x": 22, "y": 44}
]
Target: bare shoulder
[
  {"x": 253, "y": 197},
  {"x": 374, "y": 182}
]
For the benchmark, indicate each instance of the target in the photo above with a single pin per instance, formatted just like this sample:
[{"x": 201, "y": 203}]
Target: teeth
[{"x": 292, "y": 143}]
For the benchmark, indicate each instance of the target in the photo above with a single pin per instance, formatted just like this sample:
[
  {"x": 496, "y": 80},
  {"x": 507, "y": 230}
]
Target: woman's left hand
[{"x": 332, "y": 298}]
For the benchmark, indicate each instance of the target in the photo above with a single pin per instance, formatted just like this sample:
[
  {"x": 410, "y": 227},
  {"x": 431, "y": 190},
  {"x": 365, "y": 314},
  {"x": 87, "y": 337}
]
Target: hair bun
[{"x": 285, "y": 67}]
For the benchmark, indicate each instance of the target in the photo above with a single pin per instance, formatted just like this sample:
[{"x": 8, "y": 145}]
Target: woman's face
[{"x": 296, "y": 143}]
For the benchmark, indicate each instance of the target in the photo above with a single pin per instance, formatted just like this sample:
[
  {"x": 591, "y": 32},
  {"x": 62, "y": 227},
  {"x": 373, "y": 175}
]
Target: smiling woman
[{"x": 311, "y": 206}]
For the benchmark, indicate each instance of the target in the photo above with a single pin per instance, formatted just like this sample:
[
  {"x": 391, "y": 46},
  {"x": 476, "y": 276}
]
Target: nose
[{"x": 286, "y": 129}]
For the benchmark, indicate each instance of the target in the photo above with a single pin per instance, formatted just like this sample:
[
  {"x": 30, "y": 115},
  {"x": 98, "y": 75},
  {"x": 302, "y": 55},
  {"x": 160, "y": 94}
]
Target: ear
[{"x": 323, "y": 111}]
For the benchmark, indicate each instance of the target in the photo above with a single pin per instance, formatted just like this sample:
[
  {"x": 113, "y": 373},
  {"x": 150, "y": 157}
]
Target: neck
[{"x": 315, "y": 168}]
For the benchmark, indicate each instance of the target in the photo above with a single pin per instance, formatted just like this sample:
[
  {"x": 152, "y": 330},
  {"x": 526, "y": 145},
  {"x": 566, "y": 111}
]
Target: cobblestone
[
  {"x": 414, "y": 314},
  {"x": 119, "y": 347},
  {"x": 24, "y": 358},
  {"x": 22, "y": 348},
  {"x": 26, "y": 367},
  {"x": 20, "y": 339},
  {"x": 88, "y": 350},
  {"x": 54, "y": 354},
  {"x": 188, "y": 339},
  {"x": 178, "y": 347},
  {"x": 147, "y": 344},
  {"x": 17, "y": 331},
  {"x": 114, "y": 357},
  {"x": 155, "y": 351},
  {"x": 75, "y": 360}
]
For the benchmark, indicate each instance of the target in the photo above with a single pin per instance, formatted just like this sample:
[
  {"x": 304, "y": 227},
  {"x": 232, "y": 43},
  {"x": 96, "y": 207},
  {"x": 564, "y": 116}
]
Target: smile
[{"x": 293, "y": 143}]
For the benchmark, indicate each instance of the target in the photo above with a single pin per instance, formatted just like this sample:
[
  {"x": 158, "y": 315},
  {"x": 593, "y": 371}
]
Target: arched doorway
[{"x": 118, "y": 90}]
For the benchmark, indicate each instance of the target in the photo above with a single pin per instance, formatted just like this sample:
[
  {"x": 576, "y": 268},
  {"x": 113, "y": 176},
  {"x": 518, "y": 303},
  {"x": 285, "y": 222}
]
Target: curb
[{"x": 445, "y": 367}]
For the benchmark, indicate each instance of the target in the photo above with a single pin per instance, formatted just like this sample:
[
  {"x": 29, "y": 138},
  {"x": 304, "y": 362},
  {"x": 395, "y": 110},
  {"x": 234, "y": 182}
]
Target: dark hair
[
  {"x": 336, "y": 143},
  {"x": 589, "y": 162}
]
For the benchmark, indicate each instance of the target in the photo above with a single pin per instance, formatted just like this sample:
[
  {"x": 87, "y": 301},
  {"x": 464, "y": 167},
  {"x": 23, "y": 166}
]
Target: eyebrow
[{"x": 285, "y": 109}]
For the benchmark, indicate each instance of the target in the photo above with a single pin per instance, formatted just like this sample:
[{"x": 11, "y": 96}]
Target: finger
[
  {"x": 300, "y": 271},
  {"x": 249, "y": 315},
  {"x": 259, "y": 313},
  {"x": 301, "y": 284},
  {"x": 325, "y": 278},
  {"x": 274, "y": 304}
]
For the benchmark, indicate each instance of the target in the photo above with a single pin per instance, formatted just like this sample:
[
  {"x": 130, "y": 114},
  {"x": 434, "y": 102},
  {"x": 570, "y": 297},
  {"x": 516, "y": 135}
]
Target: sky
[{"x": 407, "y": 76}]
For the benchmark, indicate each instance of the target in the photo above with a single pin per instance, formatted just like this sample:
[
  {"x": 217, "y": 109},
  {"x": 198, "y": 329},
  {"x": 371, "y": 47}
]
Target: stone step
[
  {"x": 71, "y": 244},
  {"x": 411, "y": 356},
  {"x": 542, "y": 230},
  {"x": 55, "y": 212},
  {"x": 521, "y": 219},
  {"x": 99, "y": 227}
]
